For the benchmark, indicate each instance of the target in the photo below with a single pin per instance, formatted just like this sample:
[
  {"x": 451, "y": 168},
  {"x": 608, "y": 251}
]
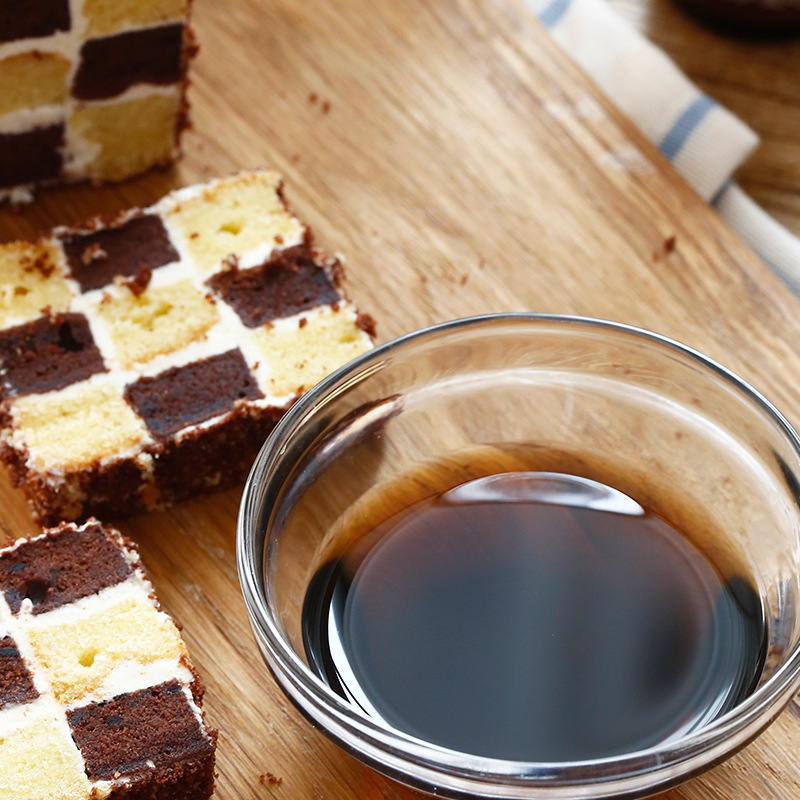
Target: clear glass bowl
[{"x": 655, "y": 419}]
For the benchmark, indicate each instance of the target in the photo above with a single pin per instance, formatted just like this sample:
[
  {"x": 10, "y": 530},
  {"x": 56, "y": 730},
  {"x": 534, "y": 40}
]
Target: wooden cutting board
[{"x": 463, "y": 165}]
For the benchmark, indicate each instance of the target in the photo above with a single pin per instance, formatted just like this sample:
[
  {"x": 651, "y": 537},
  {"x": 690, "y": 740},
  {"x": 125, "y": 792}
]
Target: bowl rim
[{"x": 433, "y": 768}]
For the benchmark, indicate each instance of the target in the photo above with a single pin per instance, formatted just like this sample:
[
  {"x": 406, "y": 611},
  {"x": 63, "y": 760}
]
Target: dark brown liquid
[{"x": 537, "y": 617}]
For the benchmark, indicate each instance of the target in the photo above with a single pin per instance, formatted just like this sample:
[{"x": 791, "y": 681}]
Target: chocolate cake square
[
  {"x": 33, "y": 18},
  {"x": 146, "y": 359},
  {"x": 289, "y": 284},
  {"x": 110, "y": 65},
  {"x": 54, "y": 571},
  {"x": 97, "y": 257},
  {"x": 31, "y": 156},
  {"x": 48, "y": 353},
  {"x": 16, "y": 682},
  {"x": 189, "y": 395},
  {"x": 98, "y": 697},
  {"x": 135, "y": 733}
]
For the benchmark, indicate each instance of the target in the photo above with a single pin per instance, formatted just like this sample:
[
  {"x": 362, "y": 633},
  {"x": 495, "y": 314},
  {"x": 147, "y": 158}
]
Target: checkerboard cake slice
[
  {"x": 90, "y": 89},
  {"x": 98, "y": 698},
  {"x": 146, "y": 359}
]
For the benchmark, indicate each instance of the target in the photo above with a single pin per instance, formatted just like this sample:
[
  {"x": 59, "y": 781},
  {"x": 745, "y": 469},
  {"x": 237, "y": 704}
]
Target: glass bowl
[{"x": 656, "y": 420}]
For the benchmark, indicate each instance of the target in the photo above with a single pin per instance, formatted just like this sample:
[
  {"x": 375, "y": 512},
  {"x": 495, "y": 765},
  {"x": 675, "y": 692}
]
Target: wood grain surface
[{"x": 462, "y": 165}]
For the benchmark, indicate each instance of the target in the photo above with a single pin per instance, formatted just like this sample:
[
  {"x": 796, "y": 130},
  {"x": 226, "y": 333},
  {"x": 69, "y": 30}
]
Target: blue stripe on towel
[
  {"x": 685, "y": 125},
  {"x": 553, "y": 12}
]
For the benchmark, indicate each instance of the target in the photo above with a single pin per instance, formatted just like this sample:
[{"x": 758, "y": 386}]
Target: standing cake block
[
  {"x": 146, "y": 360},
  {"x": 90, "y": 89},
  {"x": 98, "y": 698}
]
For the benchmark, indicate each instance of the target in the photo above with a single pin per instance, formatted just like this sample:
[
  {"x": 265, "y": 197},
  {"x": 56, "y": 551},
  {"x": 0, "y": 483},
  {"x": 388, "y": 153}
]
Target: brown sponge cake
[
  {"x": 98, "y": 698},
  {"x": 145, "y": 359},
  {"x": 91, "y": 89}
]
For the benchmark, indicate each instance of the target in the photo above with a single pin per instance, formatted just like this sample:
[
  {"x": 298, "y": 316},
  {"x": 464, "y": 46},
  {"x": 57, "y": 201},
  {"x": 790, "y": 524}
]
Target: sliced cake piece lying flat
[
  {"x": 144, "y": 360},
  {"x": 98, "y": 698}
]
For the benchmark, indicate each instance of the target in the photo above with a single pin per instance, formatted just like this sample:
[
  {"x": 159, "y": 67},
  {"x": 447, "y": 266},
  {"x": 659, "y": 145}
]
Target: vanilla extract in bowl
[
  {"x": 534, "y": 616},
  {"x": 464, "y": 653}
]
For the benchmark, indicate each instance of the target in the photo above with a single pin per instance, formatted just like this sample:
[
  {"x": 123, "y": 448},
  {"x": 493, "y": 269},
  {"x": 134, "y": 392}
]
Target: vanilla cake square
[
  {"x": 98, "y": 698},
  {"x": 146, "y": 359},
  {"x": 90, "y": 89}
]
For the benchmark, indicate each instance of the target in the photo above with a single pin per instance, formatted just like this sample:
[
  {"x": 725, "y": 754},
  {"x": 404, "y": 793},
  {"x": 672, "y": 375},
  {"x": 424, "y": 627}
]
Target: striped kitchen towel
[{"x": 703, "y": 140}]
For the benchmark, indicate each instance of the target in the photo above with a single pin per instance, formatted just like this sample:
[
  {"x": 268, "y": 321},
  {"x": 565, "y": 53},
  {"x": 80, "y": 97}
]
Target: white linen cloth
[{"x": 703, "y": 140}]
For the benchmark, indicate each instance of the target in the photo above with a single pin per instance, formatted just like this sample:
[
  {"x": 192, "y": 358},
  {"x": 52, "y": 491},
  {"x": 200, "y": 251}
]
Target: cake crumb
[
  {"x": 40, "y": 264},
  {"x": 268, "y": 777},
  {"x": 669, "y": 243},
  {"x": 93, "y": 253},
  {"x": 230, "y": 262},
  {"x": 139, "y": 282},
  {"x": 367, "y": 324}
]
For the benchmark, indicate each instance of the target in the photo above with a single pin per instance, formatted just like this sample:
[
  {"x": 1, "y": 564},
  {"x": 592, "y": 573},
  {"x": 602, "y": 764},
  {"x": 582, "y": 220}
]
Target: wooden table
[{"x": 462, "y": 164}]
